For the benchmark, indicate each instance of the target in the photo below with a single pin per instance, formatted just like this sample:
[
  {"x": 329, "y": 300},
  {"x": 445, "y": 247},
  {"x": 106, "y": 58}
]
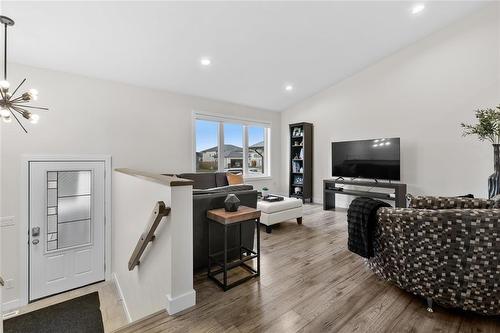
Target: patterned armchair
[{"x": 444, "y": 249}]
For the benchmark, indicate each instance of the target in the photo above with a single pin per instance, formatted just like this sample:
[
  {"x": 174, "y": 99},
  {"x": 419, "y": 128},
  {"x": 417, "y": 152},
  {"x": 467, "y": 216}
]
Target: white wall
[
  {"x": 141, "y": 128},
  {"x": 420, "y": 94},
  {"x": 164, "y": 277}
]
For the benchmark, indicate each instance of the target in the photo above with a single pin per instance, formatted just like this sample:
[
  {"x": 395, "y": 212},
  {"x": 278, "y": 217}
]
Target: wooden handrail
[
  {"x": 148, "y": 235},
  {"x": 157, "y": 178}
]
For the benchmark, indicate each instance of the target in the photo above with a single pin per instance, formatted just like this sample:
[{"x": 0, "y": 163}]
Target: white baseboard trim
[
  {"x": 122, "y": 298},
  {"x": 181, "y": 302},
  {"x": 10, "y": 305}
]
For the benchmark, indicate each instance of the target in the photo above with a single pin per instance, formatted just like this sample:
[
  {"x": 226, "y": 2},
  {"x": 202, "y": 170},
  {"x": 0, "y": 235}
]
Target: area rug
[{"x": 79, "y": 315}]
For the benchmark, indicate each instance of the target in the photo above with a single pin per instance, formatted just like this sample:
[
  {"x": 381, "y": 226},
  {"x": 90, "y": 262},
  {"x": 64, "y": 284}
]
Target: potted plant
[
  {"x": 488, "y": 128},
  {"x": 265, "y": 192}
]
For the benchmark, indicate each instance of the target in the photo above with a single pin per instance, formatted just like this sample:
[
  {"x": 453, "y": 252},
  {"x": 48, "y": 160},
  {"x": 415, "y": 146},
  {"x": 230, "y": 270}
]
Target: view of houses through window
[
  {"x": 233, "y": 147},
  {"x": 256, "y": 150},
  {"x": 207, "y": 137},
  {"x": 243, "y": 148}
]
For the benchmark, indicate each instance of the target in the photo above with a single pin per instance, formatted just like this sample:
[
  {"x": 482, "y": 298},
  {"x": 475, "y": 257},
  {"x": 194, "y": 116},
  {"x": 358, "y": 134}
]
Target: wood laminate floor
[{"x": 311, "y": 283}]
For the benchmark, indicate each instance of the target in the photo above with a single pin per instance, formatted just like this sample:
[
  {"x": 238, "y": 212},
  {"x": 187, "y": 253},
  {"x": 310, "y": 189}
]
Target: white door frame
[{"x": 24, "y": 213}]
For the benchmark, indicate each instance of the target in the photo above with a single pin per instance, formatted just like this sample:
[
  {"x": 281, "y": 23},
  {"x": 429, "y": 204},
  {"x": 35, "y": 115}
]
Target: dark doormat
[{"x": 79, "y": 315}]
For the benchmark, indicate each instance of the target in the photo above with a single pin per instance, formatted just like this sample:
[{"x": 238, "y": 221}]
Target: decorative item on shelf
[
  {"x": 301, "y": 155},
  {"x": 488, "y": 128},
  {"x": 297, "y": 132},
  {"x": 9, "y": 104},
  {"x": 296, "y": 168},
  {"x": 265, "y": 192},
  {"x": 297, "y": 190},
  {"x": 299, "y": 180},
  {"x": 301, "y": 170},
  {"x": 231, "y": 203}
]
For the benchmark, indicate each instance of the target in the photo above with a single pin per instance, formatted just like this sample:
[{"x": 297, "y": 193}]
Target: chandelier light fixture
[{"x": 9, "y": 103}]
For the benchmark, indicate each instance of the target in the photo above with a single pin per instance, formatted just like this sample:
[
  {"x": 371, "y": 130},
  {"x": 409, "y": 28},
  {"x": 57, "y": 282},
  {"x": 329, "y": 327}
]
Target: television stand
[{"x": 331, "y": 189}]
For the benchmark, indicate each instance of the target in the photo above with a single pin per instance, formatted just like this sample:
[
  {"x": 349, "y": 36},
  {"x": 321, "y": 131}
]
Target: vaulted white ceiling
[{"x": 255, "y": 47}]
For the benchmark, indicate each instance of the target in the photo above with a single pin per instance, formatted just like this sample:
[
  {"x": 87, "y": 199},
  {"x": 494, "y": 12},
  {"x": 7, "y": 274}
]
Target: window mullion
[
  {"x": 220, "y": 145},
  {"x": 245, "y": 150},
  {"x": 267, "y": 152},
  {"x": 194, "y": 138}
]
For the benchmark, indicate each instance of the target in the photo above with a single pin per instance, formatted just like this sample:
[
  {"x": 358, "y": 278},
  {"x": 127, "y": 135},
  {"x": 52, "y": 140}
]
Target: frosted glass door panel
[
  {"x": 69, "y": 211},
  {"x": 51, "y": 223},
  {"x": 74, "y": 183},
  {"x": 74, "y": 208},
  {"x": 74, "y": 234},
  {"x": 52, "y": 197}
]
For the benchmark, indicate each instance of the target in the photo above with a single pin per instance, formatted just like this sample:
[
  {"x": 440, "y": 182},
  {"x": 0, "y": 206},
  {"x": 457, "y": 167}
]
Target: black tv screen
[{"x": 373, "y": 159}]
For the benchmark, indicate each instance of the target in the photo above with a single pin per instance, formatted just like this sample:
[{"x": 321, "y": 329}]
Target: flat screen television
[{"x": 371, "y": 159}]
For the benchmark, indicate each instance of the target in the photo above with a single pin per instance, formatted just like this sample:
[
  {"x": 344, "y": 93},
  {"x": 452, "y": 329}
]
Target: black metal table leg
[
  {"x": 257, "y": 225},
  {"x": 209, "y": 251},
  {"x": 239, "y": 249},
  {"x": 225, "y": 258}
]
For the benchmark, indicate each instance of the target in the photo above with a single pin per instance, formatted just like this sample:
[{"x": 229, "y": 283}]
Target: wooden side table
[{"x": 227, "y": 220}]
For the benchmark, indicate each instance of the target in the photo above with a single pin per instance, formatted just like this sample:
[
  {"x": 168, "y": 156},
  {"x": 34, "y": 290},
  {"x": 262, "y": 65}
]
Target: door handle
[
  {"x": 1, "y": 282},
  {"x": 35, "y": 241},
  {"x": 35, "y": 231}
]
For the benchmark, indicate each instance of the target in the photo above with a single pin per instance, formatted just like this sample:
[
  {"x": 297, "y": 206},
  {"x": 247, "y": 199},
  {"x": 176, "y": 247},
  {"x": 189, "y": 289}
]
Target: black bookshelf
[{"x": 301, "y": 146}]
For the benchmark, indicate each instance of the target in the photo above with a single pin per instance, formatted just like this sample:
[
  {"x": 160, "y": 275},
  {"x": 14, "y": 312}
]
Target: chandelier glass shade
[{"x": 15, "y": 104}]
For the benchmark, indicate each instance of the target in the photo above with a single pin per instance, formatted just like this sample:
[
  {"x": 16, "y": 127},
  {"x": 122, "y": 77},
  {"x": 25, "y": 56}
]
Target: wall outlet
[{"x": 9, "y": 284}]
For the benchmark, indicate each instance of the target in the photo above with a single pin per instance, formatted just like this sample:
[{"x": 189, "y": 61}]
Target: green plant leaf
[{"x": 488, "y": 126}]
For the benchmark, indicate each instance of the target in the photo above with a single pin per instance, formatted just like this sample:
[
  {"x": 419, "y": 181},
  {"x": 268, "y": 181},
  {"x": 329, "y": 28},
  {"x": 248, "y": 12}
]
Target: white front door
[{"x": 66, "y": 226}]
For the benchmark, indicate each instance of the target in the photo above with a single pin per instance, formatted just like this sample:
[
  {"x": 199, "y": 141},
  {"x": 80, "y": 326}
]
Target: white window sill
[{"x": 257, "y": 178}]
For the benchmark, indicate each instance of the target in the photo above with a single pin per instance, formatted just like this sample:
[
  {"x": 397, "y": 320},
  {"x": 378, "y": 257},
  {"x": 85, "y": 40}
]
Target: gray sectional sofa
[{"x": 209, "y": 192}]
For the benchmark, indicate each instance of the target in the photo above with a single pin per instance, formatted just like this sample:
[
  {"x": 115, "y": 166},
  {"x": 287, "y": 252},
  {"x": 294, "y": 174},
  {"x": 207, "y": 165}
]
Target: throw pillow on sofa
[{"x": 234, "y": 179}]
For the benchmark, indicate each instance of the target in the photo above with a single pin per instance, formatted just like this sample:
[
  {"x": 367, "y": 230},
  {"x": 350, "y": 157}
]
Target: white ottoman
[{"x": 276, "y": 212}]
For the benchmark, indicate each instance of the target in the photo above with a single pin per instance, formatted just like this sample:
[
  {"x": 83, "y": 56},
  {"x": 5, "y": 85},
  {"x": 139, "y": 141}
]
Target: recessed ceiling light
[
  {"x": 418, "y": 8},
  {"x": 288, "y": 87},
  {"x": 205, "y": 61}
]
